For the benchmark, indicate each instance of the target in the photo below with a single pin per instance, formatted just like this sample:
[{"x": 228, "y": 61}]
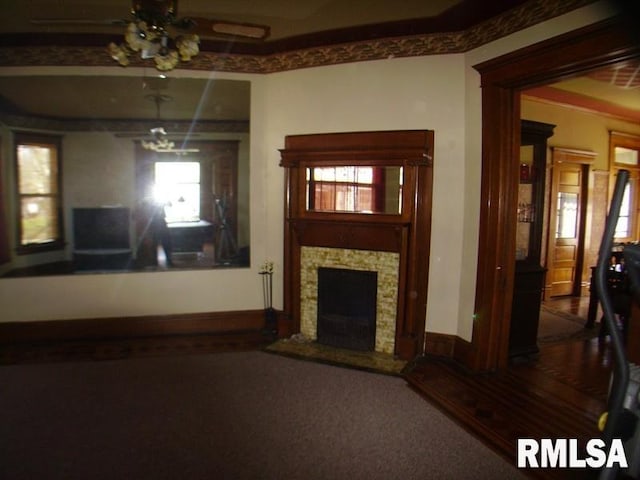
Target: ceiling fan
[
  {"x": 164, "y": 13},
  {"x": 159, "y": 140},
  {"x": 155, "y": 31}
]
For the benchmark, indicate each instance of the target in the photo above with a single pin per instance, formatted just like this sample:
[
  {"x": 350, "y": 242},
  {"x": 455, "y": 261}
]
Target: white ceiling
[
  {"x": 127, "y": 97},
  {"x": 285, "y": 17}
]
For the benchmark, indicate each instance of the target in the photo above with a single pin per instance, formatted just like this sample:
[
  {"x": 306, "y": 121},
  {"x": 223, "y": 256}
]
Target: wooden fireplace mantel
[{"x": 407, "y": 233}]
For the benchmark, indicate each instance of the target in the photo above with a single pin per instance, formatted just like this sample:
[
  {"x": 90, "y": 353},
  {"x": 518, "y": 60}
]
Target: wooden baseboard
[
  {"x": 132, "y": 327},
  {"x": 439, "y": 344},
  {"x": 462, "y": 352},
  {"x": 449, "y": 346}
]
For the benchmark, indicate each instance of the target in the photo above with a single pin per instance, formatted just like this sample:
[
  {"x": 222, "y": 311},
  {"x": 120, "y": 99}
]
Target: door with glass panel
[{"x": 566, "y": 228}]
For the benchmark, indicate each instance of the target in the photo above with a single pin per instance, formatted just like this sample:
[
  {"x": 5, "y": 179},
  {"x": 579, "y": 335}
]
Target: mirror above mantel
[
  {"x": 365, "y": 189},
  {"x": 152, "y": 173}
]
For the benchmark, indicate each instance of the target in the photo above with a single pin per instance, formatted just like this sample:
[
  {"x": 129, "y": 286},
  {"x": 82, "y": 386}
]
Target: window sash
[
  {"x": 177, "y": 187},
  {"x": 39, "y": 193}
]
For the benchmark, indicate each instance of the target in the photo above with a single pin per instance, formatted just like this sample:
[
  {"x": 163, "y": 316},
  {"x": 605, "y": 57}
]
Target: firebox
[{"x": 347, "y": 308}]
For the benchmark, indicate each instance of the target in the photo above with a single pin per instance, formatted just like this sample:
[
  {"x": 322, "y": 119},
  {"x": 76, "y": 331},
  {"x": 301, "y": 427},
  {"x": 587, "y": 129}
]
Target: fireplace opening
[{"x": 347, "y": 308}]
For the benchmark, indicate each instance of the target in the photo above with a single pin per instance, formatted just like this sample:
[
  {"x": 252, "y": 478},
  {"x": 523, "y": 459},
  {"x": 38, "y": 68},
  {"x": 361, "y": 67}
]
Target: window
[
  {"x": 567, "y": 215},
  {"x": 624, "y": 153},
  {"x": 623, "y": 229},
  {"x": 177, "y": 187},
  {"x": 38, "y": 176}
]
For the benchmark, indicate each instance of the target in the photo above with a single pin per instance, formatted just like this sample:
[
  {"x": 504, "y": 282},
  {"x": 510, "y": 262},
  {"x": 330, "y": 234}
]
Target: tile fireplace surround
[{"x": 386, "y": 264}]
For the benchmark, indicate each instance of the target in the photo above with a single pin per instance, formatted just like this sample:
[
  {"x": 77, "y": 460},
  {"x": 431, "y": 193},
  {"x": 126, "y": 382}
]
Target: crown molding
[{"x": 433, "y": 38}]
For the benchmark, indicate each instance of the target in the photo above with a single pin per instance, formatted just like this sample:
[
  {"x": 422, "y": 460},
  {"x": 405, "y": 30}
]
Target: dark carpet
[{"x": 235, "y": 415}]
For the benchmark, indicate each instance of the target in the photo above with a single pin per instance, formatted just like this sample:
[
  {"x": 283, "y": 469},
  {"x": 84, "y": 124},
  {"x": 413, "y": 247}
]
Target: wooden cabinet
[
  {"x": 525, "y": 309},
  {"x": 529, "y": 274}
]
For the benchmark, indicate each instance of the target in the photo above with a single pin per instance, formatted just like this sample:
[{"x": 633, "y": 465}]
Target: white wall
[
  {"x": 439, "y": 93},
  {"x": 425, "y": 93}
]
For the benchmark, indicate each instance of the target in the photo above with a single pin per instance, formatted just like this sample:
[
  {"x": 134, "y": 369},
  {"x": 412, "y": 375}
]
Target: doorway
[
  {"x": 564, "y": 310},
  {"x": 502, "y": 80},
  {"x": 567, "y": 222}
]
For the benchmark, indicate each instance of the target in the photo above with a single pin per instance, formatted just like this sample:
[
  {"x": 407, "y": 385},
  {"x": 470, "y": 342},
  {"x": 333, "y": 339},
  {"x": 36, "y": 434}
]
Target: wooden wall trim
[
  {"x": 573, "y": 155},
  {"x": 564, "y": 56},
  {"x": 439, "y": 344},
  {"x": 463, "y": 351},
  {"x": 131, "y": 327},
  {"x": 502, "y": 80},
  {"x": 351, "y": 236},
  {"x": 449, "y": 346}
]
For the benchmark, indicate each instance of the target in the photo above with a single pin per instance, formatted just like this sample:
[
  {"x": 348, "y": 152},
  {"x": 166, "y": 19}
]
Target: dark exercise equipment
[{"x": 623, "y": 407}]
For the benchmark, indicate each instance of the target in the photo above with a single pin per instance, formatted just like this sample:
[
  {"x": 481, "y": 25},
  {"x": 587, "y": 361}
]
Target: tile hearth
[{"x": 299, "y": 346}]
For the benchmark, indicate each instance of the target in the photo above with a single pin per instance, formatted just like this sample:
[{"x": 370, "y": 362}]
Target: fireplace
[
  {"x": 385, "y": 266},
  {"x": 392, "y": 242},
  {"x": 347, "y": 308}
]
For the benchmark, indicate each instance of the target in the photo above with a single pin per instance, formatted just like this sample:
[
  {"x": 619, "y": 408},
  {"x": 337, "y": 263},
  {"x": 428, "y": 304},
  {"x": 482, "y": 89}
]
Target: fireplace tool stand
[
  {"x": 226, "y": 248},
  {"x": 623, "y": 406}
]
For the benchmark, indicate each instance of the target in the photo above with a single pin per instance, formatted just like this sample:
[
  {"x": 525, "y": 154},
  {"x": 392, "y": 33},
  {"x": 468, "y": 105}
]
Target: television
[{"x": 101, "y": 228}]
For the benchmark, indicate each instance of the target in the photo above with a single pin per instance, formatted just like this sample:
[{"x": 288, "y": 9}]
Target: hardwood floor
[{"x": 559, "y": 394}]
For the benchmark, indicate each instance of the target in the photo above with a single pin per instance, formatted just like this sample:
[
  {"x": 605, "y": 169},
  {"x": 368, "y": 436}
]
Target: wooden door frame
[{"x": 502, "y": 80}]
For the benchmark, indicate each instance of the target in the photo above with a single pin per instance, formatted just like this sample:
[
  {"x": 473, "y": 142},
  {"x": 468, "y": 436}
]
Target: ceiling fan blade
[
  {"x": 146, "y": 134},
  {"x": 118, "y": 22},
  {"x": 139, "y": 135},
  {"x": 204, "y": 27},
  {"x": 179, "y": 151},
  {"x": 207, "y": 27}
]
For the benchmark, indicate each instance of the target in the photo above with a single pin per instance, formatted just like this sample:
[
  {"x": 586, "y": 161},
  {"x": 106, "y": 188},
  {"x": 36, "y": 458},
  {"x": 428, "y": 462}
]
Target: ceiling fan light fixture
[
  {"x": 148, "y": 34},
  {"x": 158, "y": 132},
  {"x": 157, "y": 13},
  {"x": 118, "y": 53},
  {"x": 138, "y": 37},
  {"x": 159, "y": 142},
  {"x": 164, "y": 145},
  {"x": 188, "y": 46},
  {"x": 166, "y": 62}
]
